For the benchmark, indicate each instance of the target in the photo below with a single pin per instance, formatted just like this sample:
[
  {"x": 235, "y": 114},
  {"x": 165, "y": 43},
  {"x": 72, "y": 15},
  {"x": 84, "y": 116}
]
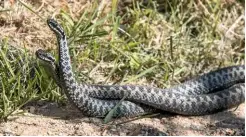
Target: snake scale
[{"x": 209, "y": 93}]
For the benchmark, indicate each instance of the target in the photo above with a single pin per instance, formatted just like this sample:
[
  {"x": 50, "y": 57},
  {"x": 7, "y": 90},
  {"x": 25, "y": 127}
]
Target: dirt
[{"x": 45, "y": 118}]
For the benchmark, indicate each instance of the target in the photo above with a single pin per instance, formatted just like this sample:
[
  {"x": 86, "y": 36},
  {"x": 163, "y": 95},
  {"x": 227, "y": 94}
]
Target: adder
[{"x": 209, "y": 93}]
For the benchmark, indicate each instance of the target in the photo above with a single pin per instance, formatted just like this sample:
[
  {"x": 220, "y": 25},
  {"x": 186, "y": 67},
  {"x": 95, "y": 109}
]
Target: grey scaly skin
[
  {"x": 79, "y": 97},
  {"x": 205, "y": 84},
  {"x": 210, "y": 82},
  {"x": 164, "y": 99},
  {"x": 214, "y": 81},
  {"x": 47, "y": 61}
]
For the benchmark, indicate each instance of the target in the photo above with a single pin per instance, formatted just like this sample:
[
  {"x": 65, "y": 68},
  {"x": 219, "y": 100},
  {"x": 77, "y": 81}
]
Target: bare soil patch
[
  {"x": 24, "y": 29},
  {"x": 51, "y": 119}
]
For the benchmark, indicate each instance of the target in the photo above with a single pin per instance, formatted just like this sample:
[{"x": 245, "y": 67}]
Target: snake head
[
  {"x": 55, "y": 27},
  {"x": 48, "y": 62},
  {"x": 45, "y": 56}
]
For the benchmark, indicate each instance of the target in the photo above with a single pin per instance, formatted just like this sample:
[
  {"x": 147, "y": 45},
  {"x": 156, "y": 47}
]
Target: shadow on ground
[{"x": 56, "y": 119}]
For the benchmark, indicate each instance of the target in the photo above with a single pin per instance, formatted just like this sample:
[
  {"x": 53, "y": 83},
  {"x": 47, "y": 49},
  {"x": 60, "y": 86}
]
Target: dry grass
[{"x": 143, "y": 46}]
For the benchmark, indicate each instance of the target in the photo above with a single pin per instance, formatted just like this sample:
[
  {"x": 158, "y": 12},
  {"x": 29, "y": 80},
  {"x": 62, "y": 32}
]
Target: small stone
[
  {"x": 49, "y": 133},
  {"x": 60, "y": 134},
  {"x": 7, "y": 132},
  {"x": 32, "y": 109},
  {"x": 122, "y": 134}
]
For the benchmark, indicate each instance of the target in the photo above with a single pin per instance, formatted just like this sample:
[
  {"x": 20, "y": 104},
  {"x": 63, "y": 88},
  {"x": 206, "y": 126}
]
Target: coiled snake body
[{"x": 209, "y": 93}]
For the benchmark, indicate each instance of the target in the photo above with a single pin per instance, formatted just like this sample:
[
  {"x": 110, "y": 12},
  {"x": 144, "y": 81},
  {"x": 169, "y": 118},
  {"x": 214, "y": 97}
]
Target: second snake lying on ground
[{"x": 206, "y": 94}]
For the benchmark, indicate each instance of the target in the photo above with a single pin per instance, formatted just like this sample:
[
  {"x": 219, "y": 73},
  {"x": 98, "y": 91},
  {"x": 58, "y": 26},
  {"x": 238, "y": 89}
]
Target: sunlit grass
[{"x": 143, "y": 46}]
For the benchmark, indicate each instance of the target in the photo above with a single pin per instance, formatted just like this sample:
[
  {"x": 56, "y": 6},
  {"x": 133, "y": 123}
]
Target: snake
[{"x": 209, "y": 93}]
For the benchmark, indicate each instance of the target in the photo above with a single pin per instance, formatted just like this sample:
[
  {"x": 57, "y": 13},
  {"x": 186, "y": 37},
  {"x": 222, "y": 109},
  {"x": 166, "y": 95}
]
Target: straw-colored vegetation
[{"x": 141, "y": 45}]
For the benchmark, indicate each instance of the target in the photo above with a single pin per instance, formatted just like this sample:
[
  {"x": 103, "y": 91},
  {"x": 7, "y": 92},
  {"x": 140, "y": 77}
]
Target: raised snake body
[{"x": 194, "y": 97}]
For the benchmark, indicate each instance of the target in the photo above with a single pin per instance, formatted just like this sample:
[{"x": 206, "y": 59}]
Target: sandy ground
[{"x": 45, "y": 118}]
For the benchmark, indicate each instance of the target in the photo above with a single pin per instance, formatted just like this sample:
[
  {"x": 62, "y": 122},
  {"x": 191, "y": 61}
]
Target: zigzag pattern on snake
[{"x": 193, "y": 97}]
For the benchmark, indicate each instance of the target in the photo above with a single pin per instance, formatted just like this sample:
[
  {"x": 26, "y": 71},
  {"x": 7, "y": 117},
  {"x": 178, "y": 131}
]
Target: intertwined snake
[{"x": 209, "y": 93}]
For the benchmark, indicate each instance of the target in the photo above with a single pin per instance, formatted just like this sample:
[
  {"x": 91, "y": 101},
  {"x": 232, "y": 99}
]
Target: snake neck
[
  {"x": 65, "y": 71},
  {"x": 66, "y": 74}
]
